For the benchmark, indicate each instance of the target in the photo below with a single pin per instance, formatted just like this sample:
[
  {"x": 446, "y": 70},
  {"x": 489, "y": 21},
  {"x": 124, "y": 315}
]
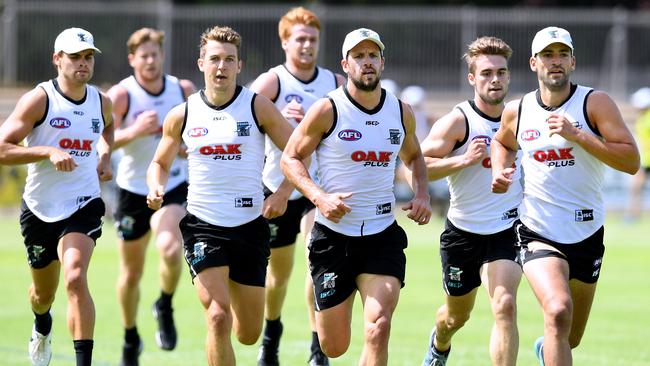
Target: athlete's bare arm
[
  {"x": 30, "y": 108},
  {"x": 166, "y": 152},
  {"x": 188, "y": 88},
  {"x": 420, "y": 206},
  {"x": 504, "y": 149},
  {"x": 105, "y": 143},
  {"x": 301, "y": 145},
  {"x": 145, "y": 124},
  {"x": 617, "y": 148}
]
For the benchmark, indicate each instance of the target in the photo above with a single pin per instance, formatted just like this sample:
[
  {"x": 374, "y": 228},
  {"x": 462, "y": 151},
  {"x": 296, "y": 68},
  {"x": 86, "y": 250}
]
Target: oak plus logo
[
  {"x": 222, "y": 151},
  {"x": 77, "y": 147},
  {"x": 555, "y": 157},
  {"x": 372, "y": 158}
]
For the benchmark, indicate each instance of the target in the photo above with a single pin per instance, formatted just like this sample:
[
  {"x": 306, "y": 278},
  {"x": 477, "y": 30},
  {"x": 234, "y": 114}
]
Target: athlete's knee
[
  {"x": 557, "y": 314},
  {"x": 42, "y": 297},
  {"x": 333, "y": 346},
  {"x": 378, "y": 332},
  {"x": 75, "y": 280},
  {"x": 219, "y": 320},
  {"x": 248, "y": 335},
  {"x": 574, "y": 340},
  {"x": 130, "y": 276},
  {"x": 453, "y": 320},
  {"x": 505, "y": 308}
]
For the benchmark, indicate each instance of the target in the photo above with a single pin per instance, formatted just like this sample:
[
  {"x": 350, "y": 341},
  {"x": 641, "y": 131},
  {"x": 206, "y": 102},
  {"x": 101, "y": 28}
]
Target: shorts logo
[
  {"x": 597, "y": 263},
  {"x": 199, "y": 252},
  {"x": 35, "y": 252},
  {"x": 512, "y": 214},
  {"x": 530, "y": 135},
  {"x": 394, "y": 136},
  {"x": 197, "y": 132},
  {"x": 274, "y": 231},
  {"x": 291, "y": 97},
  {"x": 60, "y": 123},
  {"x": 95, "y": 125},
  {"x": 125, "y": 225},
  {"x": 329, "y": 280},
  {"x": 455, "y": 277},
  {"x": 384, "y": 208},
  {"x": 243, "y": 129},
  {"x": 350, "y": 135},
  {"x": 584, "y": 215},
  {"x": 243, "y": 202}
]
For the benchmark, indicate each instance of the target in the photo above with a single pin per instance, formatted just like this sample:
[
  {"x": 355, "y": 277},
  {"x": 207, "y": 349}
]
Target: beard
[
  {"x": 555, "y": 84},
  {"x": 366, "y": 85},
  {"x": 493, "y": 101}
]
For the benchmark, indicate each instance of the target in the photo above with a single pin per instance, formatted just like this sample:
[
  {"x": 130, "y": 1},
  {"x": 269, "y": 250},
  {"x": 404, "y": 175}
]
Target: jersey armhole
[
  {"x": 335, "y": 118},
  {"x": 275, "y": 98},
  {"x": 401, "y": 115},
  {"x": 47, "y": 107},
  {"x": 257, "y": 123},
  {"x": 592, "y": 127},
  {"x": 462, "y": 142},
  {"x": 521, "y": 103},
  {"x": 184, "y": 119}
]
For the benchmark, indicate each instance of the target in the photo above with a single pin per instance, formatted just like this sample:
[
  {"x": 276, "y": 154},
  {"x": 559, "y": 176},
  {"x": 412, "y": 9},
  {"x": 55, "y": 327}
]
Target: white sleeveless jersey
[
  {"x": 132, "y": 168},
  {"x": 306, "y": 93},
  {"x": 225, "y": 154},
  {"x": 563, "y": 183},
  {"x": 473, "y": 207},
  {"x": 73, "y": 127},
  {"x": 358, "y": 156}
]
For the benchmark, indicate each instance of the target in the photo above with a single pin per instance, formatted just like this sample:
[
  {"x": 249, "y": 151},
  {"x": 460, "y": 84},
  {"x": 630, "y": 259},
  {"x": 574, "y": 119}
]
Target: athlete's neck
[
  {"x": 554, "y": 98},
  {"x": 220, "y": 97},
  {"x": 304, "y": 73},
  {"x": 72, "y": 89},
  {"x": 367, "y": 99},
  {"x": 151, "y": 86},
  {"x": 492, "y": 110}
]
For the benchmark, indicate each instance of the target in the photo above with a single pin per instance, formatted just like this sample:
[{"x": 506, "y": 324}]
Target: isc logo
[
  {"x": 350, "y": 135},
  {"x": 60, "y": 122}
]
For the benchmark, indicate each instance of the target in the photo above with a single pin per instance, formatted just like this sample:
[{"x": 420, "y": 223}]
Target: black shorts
[
  {"x": 585, "y": 257},
  {"x": 132, "y": 215},
  {"x": 42, "y": 238},
  {"x": 335, "y": 261},
  {"x": 285, "y": 228},
  {"x": 244, "y": 248},
  {"x": 463, "y": 253}
]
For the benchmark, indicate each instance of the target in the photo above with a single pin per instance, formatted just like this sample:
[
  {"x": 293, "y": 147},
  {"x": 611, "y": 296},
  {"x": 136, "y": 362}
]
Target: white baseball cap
[
  {"x": 73, "y": 40},
  {"x": 359, "y": 35},
  {"x": 550, "y": 35}
]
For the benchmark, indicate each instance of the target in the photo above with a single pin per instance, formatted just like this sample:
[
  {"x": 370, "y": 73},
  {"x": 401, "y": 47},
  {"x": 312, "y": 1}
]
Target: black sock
[
  {"x": 43, "y": 322},
  {"x": 272, "y": 332},
  {"x": 131, "y": 336},
  {"x": 83, "y": 348},
  {"x": 165, "y": 300},
  {"x": 315, "y": 343}
]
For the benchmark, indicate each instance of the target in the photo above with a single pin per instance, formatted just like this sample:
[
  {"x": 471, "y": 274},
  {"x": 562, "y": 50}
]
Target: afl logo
[
  {"x": 291, "y": 97},
  {"x": 197, "y": 132},
  {"x": 484, "y": 138},
  {"x": 350, "y": 135},
  {"x": 530, "y": 135},
  {"x": 60, "y": 123}
]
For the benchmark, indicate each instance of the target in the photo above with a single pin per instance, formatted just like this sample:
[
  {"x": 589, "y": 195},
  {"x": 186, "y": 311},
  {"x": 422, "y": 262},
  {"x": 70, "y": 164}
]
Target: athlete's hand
[
  {"x": 420, "y": 209},
  {"x": 293, "y": 110},
  {"x": 147, "y": 123},
  {"x": 274, "y": 205},
  {"x": 502, "y": 180},
  {"x": 560, "y": 125},
  {"x": 331, "y": 205},
  {"x": 61, "y": 160},
  {"x": 104, "y": 171},
  {"x": 155, "y": 198},
  {"x": 476, "y": 152}
]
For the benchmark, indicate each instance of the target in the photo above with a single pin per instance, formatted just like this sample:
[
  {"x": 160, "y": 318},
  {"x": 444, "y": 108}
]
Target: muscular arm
[
  {"x": 504, "y": 147},
  {"x": 419, "y": 206},
  {"x": 158, "y": 171},
  {"x": 30, "y": 108},
  {"x": 145, "y": 124},
  {"x": 617, "y": 148}
]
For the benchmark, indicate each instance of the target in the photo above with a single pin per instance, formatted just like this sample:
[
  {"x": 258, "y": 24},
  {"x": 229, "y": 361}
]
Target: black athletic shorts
[
  {"x": 42, "y": 238},
  {"x": 132, "y": 215},
  {"x": 285, "y": 228},
  {"x": 463, "y": 253},
  {"x": 244, "y": 248},
  {"x": 585, "y": 257},
  {"x": 335, "y": 261}
]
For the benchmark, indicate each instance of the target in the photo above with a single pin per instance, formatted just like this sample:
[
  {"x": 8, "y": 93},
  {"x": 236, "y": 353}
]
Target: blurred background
[{"x": 424, "y": 43}]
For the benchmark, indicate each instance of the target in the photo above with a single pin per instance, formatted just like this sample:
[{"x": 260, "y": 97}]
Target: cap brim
[
  {"x": 79, "y": 48},
  {"x": 535, "y": 52}
]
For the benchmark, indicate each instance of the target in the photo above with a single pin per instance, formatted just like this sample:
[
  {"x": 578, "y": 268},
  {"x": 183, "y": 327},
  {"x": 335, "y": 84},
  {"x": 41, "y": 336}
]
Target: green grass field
[{"x": 617, "y": 333}]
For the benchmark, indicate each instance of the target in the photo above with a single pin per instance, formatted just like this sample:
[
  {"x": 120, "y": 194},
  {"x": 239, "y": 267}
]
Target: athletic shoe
[
  {"x": 130, "y": 354},
  {"x": 40, "y": 348},
  {"x": 166, "y": 335},
  {"x": 318, "y": 358},
  {"x": 433, "y": 356},
  {"x": 539, "y": 350},
  {"x": 268, "y": 356}
]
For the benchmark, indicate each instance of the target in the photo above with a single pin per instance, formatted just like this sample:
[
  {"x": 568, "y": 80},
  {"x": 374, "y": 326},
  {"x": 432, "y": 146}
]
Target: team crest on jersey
[
  {"x": 530, "y": 135},
  {"x": 60, "y": 123},
  {"x": 197, "y": 132},
  {"x": 291, "y": 97},
  {"x": 394, "y": 136},
  {"x": 243, "y": 129},
  {"x": 484, "y": 138},
  {"x": 95, "y": 125},
  {"x": 350, "y": 135}
]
